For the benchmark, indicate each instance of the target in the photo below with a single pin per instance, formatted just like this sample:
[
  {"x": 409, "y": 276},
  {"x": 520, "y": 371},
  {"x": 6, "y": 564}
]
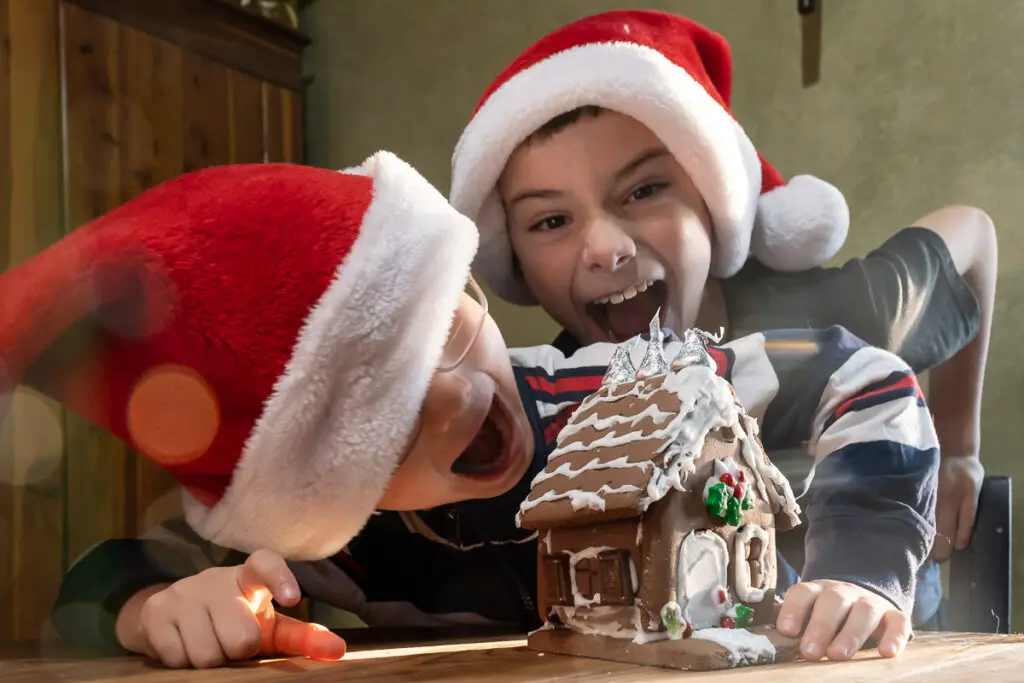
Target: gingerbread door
[{"x": 702, "y": 577}]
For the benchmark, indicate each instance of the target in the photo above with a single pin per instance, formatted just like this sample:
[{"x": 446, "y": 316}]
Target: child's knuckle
[{"x": 245, "y": 642}]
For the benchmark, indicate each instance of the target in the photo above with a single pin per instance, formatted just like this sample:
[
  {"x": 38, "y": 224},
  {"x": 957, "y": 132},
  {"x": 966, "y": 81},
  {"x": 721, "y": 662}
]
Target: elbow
[
  {"x": 970, "y": 236},
  {"x": 981, "y": 271},
  {"x": 982, "y": 229}
]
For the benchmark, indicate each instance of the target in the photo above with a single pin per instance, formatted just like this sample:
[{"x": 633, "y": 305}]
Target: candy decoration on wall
[
  {"x": 744, "y": 616},
  {"x": 727, "y": 495},
  {"x": 675, "y": 623}
]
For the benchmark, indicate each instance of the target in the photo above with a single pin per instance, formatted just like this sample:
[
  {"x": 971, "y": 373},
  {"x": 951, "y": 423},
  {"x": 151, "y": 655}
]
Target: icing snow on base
[
  {"x": 743, "y": 646},
  {"x": 602, "y": 620}
]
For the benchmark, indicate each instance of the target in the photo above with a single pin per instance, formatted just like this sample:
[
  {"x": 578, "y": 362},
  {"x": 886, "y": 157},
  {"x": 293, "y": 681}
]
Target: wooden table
[{"x": 932, "y": 658}]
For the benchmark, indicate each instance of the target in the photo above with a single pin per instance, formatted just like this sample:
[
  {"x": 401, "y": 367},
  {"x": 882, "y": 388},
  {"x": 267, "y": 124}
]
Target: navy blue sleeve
[{"x": 859, "y": 411}]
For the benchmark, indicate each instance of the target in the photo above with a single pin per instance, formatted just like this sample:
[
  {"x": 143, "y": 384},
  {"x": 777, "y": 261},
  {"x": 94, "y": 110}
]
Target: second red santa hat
[
  {"x": 265, "y": 332},
  {"x": 674, "y": 76}
]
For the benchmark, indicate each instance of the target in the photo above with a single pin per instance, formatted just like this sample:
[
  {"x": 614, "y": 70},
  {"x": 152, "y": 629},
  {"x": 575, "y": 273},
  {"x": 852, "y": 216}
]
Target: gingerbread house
[{"x": 656, "y": 518}]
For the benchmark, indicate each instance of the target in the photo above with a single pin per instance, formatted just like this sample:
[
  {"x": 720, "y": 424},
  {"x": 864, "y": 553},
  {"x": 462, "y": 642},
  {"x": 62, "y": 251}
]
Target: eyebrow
[
  {"x": 534, "y": 194},
  {"x": 639, "y": 160}
]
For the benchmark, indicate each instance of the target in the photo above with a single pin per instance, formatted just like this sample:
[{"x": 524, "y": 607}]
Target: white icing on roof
[{"x": 706, "y": 402}]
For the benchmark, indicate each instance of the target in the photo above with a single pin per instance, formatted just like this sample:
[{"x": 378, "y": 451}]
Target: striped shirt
[{"x": 847, "y": 423}]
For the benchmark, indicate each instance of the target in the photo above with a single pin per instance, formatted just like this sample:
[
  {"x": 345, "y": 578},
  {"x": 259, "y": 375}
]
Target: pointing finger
[{"x": 293, "y": 637}]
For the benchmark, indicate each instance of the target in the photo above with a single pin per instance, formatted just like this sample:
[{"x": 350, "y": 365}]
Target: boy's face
[
  {"x": 472, "y": 438},
  {"x": 607, "y": 227}
]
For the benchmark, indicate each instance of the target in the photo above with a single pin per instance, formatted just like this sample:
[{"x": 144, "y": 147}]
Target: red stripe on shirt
[
  {"x": 347, "y": 560},
  {"x": 906, "y": 382},
  {"x": 562, "y": 419},
  {"x": 588, "y": 383},
  {"x": 721, "y": 361}
]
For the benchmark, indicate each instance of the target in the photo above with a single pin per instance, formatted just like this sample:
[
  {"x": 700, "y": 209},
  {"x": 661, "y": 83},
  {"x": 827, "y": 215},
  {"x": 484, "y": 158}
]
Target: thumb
[
  {"x": 297, "y": 638},
  {"x": 265, "y": 574}
]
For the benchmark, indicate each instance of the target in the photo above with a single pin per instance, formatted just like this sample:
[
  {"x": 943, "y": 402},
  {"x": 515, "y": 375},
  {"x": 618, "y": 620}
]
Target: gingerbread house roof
[{"x": 632, "y": 441}]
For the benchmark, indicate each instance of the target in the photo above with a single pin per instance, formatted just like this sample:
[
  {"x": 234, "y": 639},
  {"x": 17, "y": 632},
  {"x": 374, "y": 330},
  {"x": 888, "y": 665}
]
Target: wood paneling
[
  {"x": 238, "y": 39},
  {"x": 99, "y": 494},
  {"x": 31, "y": 453},
  {"x": 139, "y": 106},
  {"x": 246, "y": 118}
]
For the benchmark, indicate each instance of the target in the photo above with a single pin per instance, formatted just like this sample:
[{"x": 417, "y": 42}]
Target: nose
[{"x": 607, "y": 247}]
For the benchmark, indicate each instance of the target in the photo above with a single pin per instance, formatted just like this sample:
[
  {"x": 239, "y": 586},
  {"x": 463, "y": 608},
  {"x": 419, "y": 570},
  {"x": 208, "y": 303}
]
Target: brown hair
[{"x": 563, "y": 121}]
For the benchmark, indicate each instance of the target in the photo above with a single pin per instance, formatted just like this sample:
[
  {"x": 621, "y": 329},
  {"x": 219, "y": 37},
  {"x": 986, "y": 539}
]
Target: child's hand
[
  {"x": 960, "y": 479},
  {"x": 825, "y": 605},
  {"x": 225, "y": 614}
]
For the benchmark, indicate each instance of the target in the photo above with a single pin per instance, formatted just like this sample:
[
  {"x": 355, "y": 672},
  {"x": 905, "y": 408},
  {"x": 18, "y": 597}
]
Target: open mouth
[
  {"x": 625, "y": 314},
  {"x": 489, "y": 454}
]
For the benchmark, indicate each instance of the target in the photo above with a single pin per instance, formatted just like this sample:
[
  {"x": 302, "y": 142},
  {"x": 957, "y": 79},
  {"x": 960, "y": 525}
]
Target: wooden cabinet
[{"x": 100, "y": 100}]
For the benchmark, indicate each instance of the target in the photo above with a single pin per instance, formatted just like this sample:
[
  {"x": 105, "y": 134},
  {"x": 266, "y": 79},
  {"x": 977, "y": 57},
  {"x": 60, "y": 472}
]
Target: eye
[
  {"x": 646, "y": 191},
  {"x": 549, "y": 223}
]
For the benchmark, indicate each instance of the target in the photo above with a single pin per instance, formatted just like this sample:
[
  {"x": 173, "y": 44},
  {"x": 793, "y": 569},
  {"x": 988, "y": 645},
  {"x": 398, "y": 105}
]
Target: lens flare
[{"x": 173, "y": 415}]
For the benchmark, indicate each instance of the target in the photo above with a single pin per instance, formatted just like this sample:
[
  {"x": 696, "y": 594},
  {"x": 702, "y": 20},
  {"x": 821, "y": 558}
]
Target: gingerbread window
[
  {"x": 751, "y": 562},
  {"x": 755, "y": 562},
  {"x": 616, "y": 578},
  {"x": 607, "y": 575},
  {"x": 557, "y": 589},
  {"x": 588, "y": 577}
]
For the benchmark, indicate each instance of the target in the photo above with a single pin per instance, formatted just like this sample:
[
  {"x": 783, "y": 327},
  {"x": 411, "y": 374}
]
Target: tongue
[
  {"x": 631, "y": 317},
  {"x": 482, "y": 452}
]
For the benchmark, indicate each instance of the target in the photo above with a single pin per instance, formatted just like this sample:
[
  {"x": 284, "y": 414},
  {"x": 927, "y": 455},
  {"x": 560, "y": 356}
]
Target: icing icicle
[
  {"x": 695, "y": 350},
  {"x": 654, "y": 362},
  {"x": 620, "y": 368}
]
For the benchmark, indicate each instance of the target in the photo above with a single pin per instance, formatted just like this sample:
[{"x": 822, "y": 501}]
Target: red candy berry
[
  {"x": 722, "y": 596},
  {"x": 738, "y": 491},
  {"x": 728, "y": 622},
  {"x": 688, "y": 631},
  {"x": 727, "y": 479},
  {"x": 742, "y": 477}
]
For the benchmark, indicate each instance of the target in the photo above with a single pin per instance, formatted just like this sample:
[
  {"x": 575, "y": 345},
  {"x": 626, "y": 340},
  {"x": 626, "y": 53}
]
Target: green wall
[{"x": 920, "y": 104}]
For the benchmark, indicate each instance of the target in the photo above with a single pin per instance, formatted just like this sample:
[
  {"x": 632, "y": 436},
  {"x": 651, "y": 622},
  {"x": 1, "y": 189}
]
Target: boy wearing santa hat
[
  {"x": 300, "y": 349},
  {"x": 609, "y": 180}
]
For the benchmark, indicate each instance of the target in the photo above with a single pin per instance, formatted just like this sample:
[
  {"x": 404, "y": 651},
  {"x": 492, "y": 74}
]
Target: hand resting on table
[{"x": 221, "y": 615}]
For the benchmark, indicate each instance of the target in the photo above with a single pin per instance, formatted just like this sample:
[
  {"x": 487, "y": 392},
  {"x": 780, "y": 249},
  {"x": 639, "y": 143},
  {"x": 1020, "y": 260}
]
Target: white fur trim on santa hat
[
  {"x": 800, "y": 225},
  {"x": 343, "y": 412},
  {"x": 631, "y": 79}
]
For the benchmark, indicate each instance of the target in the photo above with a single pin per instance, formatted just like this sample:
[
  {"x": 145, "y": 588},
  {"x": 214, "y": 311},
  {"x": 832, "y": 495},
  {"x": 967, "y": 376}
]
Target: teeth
[{"x": 627, "y": 294}]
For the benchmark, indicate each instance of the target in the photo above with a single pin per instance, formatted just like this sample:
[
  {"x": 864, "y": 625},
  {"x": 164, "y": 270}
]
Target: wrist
[
  {"x": 959, "y": 454},
  {"x": 129, "y": 620}
]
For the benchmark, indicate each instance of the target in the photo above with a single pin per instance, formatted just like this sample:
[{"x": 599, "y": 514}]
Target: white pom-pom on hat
[{"x": 800, "y": 225}]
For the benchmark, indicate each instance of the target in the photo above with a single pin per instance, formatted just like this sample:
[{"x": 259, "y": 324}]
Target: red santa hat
[
  {"x": 266, "y": 333},
  {"x": 675, "y": 77}
]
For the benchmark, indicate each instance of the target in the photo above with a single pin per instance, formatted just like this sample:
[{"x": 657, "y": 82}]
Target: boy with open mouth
[{"x": 609, "y": 180}]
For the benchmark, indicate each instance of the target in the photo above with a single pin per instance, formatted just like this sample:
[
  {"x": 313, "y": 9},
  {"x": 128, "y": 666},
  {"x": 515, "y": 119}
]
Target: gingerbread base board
[{"x": 689, "y": 654}]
